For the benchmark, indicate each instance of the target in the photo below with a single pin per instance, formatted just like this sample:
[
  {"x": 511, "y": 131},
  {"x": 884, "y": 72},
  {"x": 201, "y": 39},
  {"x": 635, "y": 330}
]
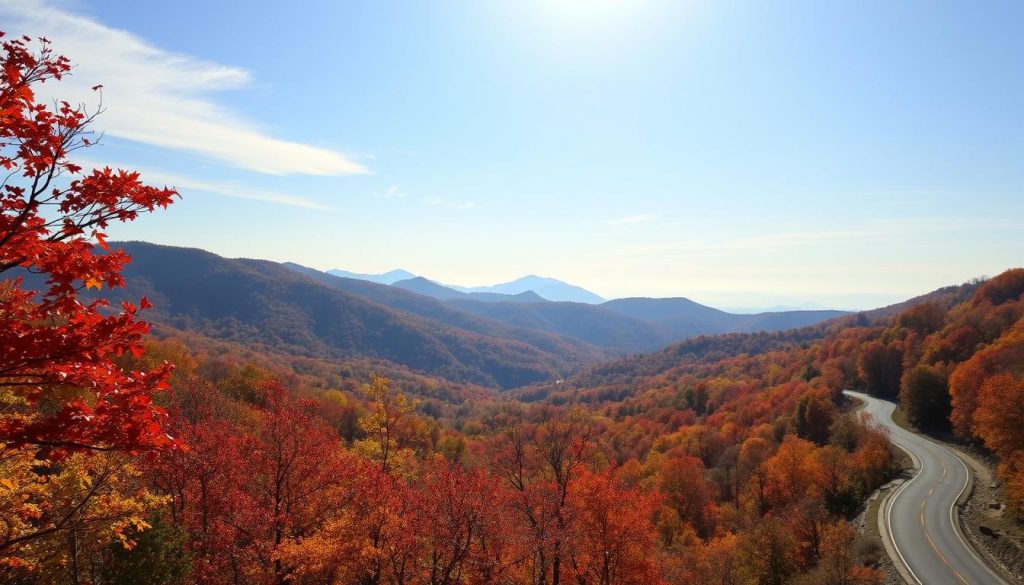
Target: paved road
[{"x": 919, "y": 516}]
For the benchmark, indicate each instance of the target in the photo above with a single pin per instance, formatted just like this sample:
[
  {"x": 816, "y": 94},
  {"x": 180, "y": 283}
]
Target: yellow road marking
[{"x": 932, "y": 544}]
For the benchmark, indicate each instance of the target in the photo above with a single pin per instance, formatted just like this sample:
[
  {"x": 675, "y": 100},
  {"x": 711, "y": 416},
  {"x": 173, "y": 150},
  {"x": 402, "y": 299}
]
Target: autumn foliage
[
  {"x": 56, "y": 347},
  {"x": 70, "y": 416}
]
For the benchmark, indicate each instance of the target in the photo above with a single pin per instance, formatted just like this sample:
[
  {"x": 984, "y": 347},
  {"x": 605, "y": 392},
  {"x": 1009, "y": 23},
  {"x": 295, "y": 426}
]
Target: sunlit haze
[{"x": 742, "y": 154}]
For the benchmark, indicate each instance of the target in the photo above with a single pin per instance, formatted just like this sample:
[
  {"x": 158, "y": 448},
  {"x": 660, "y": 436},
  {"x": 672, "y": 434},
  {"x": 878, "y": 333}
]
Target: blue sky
[{"x": 849, "y": 154}]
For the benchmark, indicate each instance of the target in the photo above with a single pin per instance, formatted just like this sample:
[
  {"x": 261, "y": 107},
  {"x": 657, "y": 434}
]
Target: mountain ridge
[
  {"x": 551, "y": 289},
  {"x": 503, "y": 342},
  {"x": 684, "y": 317},
  {"x": 425, "y": 286},
  {"x": 262, "y": 301},
  {"x": 388, "y": 277}
]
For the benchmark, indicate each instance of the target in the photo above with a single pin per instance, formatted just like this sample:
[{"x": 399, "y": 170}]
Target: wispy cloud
[
  {"x": 237, "y": 191},
  {"x": 441, "y": 202},
  {"x": 640, "y": 218},
  {"x": 161, "y": 98},
  {"x": 392, "y": 192},
  {"x": 185, "y": 184}
]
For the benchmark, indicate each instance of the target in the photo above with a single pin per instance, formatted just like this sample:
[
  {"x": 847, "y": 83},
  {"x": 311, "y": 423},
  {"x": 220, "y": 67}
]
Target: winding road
[{"x": 919, "y": 516}]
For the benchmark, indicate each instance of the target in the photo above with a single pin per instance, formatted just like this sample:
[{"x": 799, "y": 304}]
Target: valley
[{"x": 506, "y": 341}]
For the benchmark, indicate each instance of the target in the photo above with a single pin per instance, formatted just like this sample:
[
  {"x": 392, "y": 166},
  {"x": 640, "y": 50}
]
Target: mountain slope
[
  {"x": 683, "y": 317},
  {"x": 503, "y": 344},
  {"x": 638, "y": 324},
  {"x": 591, "y": 323},
  {"x": 427, "y": 287},
  {"x": 680, "y": 316},
  {"x": 946, "y": 296},
  {"x": 264, "y": 302},
  {"x": 585, "y": 329},
  {"x": 783, "y": 320},
  {"x": 958, "y": 322},
  {"x": 573, "y": 351}
]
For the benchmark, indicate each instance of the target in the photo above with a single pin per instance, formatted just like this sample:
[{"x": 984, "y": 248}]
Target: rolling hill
[
  {"x": 573, "y": 350},
  {"x": 489, "y": 339},
  {"x": 593, "y": 324},
  {"x": 638, "y": 373},
  {"x": 685, "y": 318},
  {"x": 639, "y": 324},
  {"x": 257, "y": 301},
  {"x": 619, "y": 326}
]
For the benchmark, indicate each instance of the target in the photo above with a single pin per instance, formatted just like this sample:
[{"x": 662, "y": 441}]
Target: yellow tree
[
  {"x": 383, "y": 427},
  {"x": 59, "y": 519}
]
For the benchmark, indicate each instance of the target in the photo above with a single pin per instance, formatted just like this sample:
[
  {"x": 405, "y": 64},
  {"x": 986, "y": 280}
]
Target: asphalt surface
[{"x": 919, "y": 515}]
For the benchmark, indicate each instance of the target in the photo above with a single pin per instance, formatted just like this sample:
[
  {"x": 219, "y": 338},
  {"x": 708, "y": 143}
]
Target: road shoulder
[
  {"x": 1002, "y": 551},
  {"x": 896, "y": 572}
]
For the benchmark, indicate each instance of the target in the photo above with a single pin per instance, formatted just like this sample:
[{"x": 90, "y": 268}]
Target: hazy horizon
[
  {"x": 742, "y": 301},
  {"x": 849, "y": 155},
  {"x": 766, "y": 302}
]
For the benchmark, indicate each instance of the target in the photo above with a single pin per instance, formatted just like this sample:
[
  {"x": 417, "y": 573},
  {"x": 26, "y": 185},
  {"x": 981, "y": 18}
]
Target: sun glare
[{"x": 594, "y": 16}]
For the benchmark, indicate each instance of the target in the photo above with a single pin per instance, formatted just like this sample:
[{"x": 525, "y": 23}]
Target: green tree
[
  {"x": 160, "y": 557},
  {"x": 880, "y": 367},
  {"x": 924, "y": 394}
]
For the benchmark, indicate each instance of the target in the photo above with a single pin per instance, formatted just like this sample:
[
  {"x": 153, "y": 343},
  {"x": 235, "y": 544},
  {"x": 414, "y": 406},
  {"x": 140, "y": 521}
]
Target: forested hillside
[
  {"x": 685, "y": 318},
  {"x": 266, "y": 304},
  {"x": 493, "y": 342},
  {"x": 379, "y": 487},
  {"x": 593, "y": 324},
  {"x": 954, "y": 359}
]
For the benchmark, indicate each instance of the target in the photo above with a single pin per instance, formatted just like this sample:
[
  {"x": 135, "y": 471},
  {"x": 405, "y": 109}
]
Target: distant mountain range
[
  {"x": 430, "y": 288},
  {"x": 777, "y": 308},
  {"x": 386, "y": 278},
  {"x": 266, "y": 304},
  {"x": 685, "y": 318},
  {"x": 549, "y": 288},
  {"x": 536, "y": 288},
  {"x": 632, "y": 324},
  {"x": 663, "y": 367},
  {"x": 498, "y": 339}
]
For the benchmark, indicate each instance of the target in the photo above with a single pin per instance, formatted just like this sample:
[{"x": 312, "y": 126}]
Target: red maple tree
[{"x": 64, "y": 391}]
